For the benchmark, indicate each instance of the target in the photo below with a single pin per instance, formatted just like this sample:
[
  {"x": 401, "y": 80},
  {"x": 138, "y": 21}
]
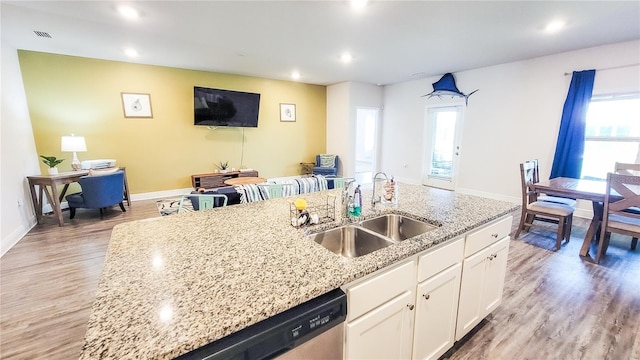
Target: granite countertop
[{"x": 173, "y": 284}]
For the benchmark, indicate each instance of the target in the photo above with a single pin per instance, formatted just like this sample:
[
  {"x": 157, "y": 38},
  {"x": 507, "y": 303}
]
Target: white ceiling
[{"x": 390, "y": 41}]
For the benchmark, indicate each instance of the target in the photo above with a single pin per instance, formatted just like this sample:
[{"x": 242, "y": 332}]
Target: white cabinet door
[
  {"x": 436, "y": 309},
  {"x": 386, "y": 332},
  {"x": 481, "y": 286},
  {"x": 496, "y": 271}
]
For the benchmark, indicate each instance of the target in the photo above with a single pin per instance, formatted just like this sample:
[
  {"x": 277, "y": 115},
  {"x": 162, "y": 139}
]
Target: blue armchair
[
  {"x": 324, "y": 166},
  {"x": 98, "y": 192}
]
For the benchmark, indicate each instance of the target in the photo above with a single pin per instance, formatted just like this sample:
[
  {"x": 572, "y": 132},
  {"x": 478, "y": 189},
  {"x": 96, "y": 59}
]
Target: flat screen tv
[{"x": 216, "y": 107}]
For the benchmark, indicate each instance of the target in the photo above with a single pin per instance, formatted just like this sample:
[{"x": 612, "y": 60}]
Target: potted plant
[
  {"x": 223, "y": 166},
  {"x": 51, "y": 162}
]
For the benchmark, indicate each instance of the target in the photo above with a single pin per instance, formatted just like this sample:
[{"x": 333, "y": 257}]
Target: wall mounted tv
[{"x": 216, "y": 107}]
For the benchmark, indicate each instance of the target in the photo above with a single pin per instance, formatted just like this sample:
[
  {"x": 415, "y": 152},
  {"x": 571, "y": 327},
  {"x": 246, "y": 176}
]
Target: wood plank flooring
[{"x": 555, "y": 305}]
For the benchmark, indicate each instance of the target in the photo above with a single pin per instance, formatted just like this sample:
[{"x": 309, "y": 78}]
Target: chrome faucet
[{"x": 375, "y": 200}]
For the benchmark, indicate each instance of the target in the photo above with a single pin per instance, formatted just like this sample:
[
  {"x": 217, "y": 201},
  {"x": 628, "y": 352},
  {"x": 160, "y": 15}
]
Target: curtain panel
[{"x": 567, "y": 161}]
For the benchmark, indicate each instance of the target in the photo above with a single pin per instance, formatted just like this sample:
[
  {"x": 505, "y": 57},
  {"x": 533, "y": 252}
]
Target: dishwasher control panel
[{"x": 316, "y": 321}]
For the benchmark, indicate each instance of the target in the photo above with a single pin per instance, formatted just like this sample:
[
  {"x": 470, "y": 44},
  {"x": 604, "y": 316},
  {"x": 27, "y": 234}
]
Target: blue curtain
[{"x": 567, "y": 161}]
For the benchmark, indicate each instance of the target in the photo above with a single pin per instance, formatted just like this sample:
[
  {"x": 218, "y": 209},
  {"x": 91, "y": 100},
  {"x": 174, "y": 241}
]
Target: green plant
[
  {"x": 223, "y": 165},
  {"x": 51, "y": 161}
]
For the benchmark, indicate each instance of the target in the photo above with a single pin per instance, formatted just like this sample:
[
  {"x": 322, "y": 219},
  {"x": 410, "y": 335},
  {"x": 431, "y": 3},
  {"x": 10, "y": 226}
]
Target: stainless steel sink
[
  {"x": 351, "y": 241},
  {"x": 397, "y": 227}
]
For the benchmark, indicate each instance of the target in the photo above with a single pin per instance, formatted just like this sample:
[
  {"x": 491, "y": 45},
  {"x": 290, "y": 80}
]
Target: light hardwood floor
[{"x": 555, "y": 305}]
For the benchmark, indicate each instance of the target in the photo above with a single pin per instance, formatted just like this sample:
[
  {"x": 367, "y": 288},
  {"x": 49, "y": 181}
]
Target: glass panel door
[
  {"x": 443, "y": 126},
  {"x": 366, "y": 140}
]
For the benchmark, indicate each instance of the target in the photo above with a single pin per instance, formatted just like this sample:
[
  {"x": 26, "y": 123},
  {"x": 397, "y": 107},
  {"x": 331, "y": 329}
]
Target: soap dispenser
[{"x": 357, "y": 199}]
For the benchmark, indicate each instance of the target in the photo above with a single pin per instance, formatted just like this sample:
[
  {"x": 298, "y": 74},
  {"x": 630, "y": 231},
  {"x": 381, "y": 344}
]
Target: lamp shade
[{"x": 73, "y": 143}]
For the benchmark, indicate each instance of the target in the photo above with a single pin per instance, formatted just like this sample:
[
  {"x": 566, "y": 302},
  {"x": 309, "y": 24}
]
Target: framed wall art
[
  {"x": 287, "y": 112},
  {"x": 136, "y": 105}
]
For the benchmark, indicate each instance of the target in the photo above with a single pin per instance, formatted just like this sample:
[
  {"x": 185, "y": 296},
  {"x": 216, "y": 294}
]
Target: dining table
[{"x": 591, "y": 190}]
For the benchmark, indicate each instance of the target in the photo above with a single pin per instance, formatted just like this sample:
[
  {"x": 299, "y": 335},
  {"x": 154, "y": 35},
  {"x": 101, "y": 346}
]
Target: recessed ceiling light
[
  {"x": 358, "y": 4},
  {"x": 346, "y": 58},
  {"x": 128, "y": 12},
  {"x": 554, "y": 26},
  {"x": 295, "y": 75},
  {"x": 131, "y": 52}
]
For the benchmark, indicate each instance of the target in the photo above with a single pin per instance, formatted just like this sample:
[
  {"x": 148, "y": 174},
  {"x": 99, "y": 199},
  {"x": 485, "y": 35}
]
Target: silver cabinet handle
[
  {"x": 490, "y": 257},
  {"x": 410, "y": 306},
  {"x": 495, "y": 235},
  {"x": 426, "y": 296}
]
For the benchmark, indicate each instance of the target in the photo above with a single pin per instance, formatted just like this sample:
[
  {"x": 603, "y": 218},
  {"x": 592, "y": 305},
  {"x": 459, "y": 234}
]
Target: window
[{"x": 612, "y": 134}]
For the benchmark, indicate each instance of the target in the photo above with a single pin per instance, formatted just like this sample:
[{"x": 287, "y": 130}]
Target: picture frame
[
  {"x": 288, "y": 112},
  {"x": 136, "y": 105}
]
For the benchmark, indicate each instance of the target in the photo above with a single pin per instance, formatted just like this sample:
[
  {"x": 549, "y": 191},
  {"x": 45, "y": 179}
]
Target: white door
[
  {"x": 436, "y": 311},
  {"x": 385, "y": 332},
  {"x": 443, "y": 131},
  {"x": 366, "y": 144}
]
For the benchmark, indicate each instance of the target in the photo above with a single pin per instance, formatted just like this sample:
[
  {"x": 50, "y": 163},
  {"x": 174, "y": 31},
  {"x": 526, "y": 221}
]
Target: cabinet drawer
[
  {"x": 439, "y": 259},
  {"x": 377, "y": 290},
  {"x": 486, "y": 236}
]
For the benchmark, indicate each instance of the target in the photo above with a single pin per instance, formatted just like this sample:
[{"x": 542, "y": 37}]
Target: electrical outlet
[{"x": 19, "y": 203}]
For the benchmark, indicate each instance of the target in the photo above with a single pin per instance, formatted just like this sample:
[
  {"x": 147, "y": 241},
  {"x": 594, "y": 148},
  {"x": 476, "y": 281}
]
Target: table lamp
[{"x": 74, "y": 143}]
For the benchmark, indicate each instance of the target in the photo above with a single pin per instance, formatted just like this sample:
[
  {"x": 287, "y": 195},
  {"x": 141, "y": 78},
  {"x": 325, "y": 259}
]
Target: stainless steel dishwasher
[{"x": 312, "y": 330}]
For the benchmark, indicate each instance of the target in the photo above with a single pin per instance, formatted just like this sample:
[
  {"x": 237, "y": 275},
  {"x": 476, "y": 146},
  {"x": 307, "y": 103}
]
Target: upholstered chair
[
  {"x": 98, "y": 192},
  {"x": 326, "y": 164}
]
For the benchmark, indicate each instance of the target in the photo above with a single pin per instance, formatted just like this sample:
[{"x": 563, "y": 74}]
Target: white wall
[
  {"x": 514, "y": 116},
  {"x": 338, "y": 124},
  {"x": 343, "y": 99},
  {"x": 18, "y": 157}
]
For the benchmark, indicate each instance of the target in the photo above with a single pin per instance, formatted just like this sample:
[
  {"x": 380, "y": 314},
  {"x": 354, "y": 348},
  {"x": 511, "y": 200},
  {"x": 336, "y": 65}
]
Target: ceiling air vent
[{"x": 42, "y": 34}]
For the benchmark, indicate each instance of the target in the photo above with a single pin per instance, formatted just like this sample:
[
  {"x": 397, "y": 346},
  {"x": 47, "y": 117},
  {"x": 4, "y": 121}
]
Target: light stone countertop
[{"x": 173, "y": 284}]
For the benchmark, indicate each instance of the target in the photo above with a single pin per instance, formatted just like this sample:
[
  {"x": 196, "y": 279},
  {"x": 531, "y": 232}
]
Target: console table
[
  {"x": 48, "y": 186},
  {"x": 216, "y": 180}
]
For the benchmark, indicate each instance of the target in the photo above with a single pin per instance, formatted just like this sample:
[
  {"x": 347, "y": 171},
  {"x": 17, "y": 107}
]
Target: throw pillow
[{"x": 327, "y": 160}]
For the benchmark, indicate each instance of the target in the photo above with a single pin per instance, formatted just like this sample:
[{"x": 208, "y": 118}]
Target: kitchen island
[{"x": 174, "y": 284}]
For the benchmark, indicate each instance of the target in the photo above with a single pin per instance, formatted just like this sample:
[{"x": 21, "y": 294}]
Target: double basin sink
[{"x": 367, "y": 236}]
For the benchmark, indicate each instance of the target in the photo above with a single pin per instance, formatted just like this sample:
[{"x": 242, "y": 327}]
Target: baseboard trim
[
  {"x": 160, "y": 194},
  {"x": 15, "y": 236}
]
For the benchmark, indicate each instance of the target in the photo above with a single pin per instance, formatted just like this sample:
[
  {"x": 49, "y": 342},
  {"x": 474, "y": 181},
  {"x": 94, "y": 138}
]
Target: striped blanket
[{"x": 251, "y": 192}]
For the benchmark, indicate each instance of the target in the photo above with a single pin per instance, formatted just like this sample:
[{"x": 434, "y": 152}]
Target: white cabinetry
[
  {"x": 483, "y": 274},
  {"x": 380, "y": 315},
  {"x": 417, "y": 309},
  {"x": 437, "y": 300},
  {"x": 383, "y": 333},
  {"x": 436, "y": 308}
]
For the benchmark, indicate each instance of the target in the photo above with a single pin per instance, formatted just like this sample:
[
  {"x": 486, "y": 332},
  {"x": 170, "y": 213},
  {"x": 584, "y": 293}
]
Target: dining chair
[
  {"x": 340, "y": 182},
  {"x": 542, "y": 211},
  {"x": 626, "y": 168},
  {"x": 274, "y": 191},
  {"x": 203, "y": 201},
  {"x": 544, "y": 197},
  {"x": 629, "y": 169},
  {"x": 615, "y": 217}
]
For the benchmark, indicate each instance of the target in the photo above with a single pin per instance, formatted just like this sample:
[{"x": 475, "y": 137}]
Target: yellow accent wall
[{"x": 76, "y": 95}]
